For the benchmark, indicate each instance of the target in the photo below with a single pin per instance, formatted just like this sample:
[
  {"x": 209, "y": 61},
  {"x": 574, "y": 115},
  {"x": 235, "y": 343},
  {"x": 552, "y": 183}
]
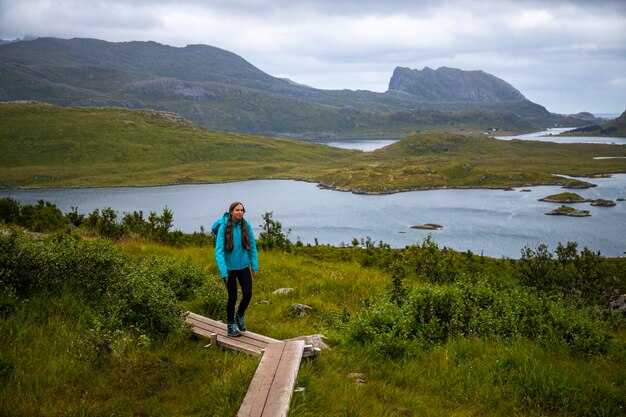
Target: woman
[{"x": 235, "y": 253}]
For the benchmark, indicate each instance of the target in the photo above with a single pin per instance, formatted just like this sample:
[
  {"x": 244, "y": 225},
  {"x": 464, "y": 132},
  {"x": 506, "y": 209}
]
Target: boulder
[
  {"x": 315, "y": 340},
  {"x": 282, "y": 291},
  {"x": 301, "y": 309},
  {"x": 619, "y": 304}
]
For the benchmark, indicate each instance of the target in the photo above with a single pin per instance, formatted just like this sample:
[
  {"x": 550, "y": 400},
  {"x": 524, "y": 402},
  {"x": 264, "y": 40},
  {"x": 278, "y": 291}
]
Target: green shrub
[
  {"x": 431, "y": 315},
  {"x": 181, "y": 275},
  {"x": 431, "y": 264},
  {"x": 586, "y": 277},
  {"x": 9, "y": 210},
  {"x": 145, "y": 296},
  {"x": 212, "y": 295},
  {"x": 41, "y": 217},
  {"x": 144, "y": 301}
]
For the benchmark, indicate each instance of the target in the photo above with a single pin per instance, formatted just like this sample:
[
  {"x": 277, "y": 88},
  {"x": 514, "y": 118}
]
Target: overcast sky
[{"x": 567, "y": 55}]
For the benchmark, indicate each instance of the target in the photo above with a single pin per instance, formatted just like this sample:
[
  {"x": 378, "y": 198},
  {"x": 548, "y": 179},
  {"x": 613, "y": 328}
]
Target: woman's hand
[{"x": 254, "y": 274}]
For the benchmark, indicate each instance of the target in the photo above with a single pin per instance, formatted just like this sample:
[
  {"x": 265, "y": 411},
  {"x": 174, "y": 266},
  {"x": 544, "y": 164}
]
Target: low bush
[
  {"x": 430, "y": 315},
  {"x": 584, "y": 277},
  {"x": 146, "y": 295}
]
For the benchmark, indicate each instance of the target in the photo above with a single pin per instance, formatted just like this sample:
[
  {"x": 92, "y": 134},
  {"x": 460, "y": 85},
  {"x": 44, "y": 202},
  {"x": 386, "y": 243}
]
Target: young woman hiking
[{"x": 235, "y": 253}]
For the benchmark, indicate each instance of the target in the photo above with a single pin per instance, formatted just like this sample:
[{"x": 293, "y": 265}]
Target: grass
[
  {"x": 53, "y": 375},
  {"x": 565, "y": 198},
  {"x": 47, "y": 365},
  {"x": 46, "y": 146}
]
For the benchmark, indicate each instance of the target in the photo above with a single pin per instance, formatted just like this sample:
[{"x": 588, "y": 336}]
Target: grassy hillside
[
  {"x": 440, "y": 160},
  {"x": 615, "y": 127},
  {"x": 45, "y": 146},
  {"x": 91, "y": 328}
]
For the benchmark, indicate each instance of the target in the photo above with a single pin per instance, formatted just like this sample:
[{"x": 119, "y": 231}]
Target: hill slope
[
  {"x": 218, "y": 89},
  {"x": 615, "y": 127},
  {"x": 45, "y": 145}
]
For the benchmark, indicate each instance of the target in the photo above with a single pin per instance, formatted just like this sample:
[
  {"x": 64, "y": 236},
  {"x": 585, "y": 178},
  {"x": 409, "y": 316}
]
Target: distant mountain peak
[{"x": 447, "y": 84}]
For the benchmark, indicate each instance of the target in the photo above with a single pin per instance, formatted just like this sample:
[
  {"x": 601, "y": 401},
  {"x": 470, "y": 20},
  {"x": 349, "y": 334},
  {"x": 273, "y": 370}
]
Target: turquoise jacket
[{"x": 239, "y": 257}]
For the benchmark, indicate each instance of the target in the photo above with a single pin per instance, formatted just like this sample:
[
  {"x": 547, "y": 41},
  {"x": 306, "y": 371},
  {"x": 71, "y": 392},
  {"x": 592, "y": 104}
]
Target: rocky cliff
[{"x": 453, "y": 85}]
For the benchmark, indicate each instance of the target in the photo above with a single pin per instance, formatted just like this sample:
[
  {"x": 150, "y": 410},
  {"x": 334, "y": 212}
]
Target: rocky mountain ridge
[{"x": 218, "y": 89}]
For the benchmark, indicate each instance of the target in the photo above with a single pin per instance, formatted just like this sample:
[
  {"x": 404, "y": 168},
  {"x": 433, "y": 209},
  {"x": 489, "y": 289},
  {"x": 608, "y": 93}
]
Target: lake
[
  {"x": 495, "y": 223},
  {"x": 551, "y": 135},
  {"x": 548, "y": 135}
]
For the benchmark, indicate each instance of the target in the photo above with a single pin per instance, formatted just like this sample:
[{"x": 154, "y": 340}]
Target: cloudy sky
[{"x": 568, "y": 55}]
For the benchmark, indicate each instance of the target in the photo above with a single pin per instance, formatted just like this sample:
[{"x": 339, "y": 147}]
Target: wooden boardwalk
[
  {"x": 270, "y": 391},
  {"x": 248, "y": 342}
]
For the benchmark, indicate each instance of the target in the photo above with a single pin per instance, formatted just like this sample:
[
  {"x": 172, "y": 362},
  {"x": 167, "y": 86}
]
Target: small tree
[
  {"x": 161, "y": 225},
  {"x": 272, "y": 236}
]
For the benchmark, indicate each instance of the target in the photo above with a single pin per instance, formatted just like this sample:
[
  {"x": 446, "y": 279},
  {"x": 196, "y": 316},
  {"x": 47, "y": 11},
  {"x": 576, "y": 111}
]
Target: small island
[
  {"x": 602, "y": 203},
  {"x": 568, "y": 198},
  {"x": 569, "y": 211},
  {"x": 428, "y": 226}
]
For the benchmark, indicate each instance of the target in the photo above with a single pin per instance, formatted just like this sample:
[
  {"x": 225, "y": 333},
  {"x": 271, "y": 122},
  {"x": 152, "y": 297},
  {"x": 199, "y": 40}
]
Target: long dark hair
[{"x": 245, "y": 239}]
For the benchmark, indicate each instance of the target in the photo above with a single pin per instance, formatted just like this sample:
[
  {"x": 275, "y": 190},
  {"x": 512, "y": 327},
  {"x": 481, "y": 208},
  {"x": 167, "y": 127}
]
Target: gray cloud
[{"x": 568, "y": 55}]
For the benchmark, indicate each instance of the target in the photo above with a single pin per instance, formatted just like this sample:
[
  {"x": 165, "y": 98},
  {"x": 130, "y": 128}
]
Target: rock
[
  {"x": 508, "y": 189},
  {"x": 428, "y": 226},
  {"x": 359, "y": 378},
  {"x": 580, "y": 186},
  {"x": 602, "y": 203},
  {"x": 526, "y": 190},
  {"x": 621, "y": 199},
  {"x": 619, "y": 304},
  {"x": 262, "y": 302},
  {"x": 315, "y": 340},
  {"x": 301, "y": 309},
  {"x": 282, "y": 291}
]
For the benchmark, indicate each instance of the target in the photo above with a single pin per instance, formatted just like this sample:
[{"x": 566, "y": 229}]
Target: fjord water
[{"x": 495, "y": 223}]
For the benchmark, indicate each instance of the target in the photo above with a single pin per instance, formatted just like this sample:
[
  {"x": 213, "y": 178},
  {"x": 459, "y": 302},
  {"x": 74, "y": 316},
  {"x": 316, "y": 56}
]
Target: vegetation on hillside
[
  {"x": 615, "y": 127},
  {"x": 218, "y": 89},
  {"x": 46, "y": 146},
  {"x": 91, "y": 325}
]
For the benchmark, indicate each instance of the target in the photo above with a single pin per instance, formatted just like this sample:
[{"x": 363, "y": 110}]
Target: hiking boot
[
  {"x": 241, "y": 324},
  {"x": 233, "y": 331}
]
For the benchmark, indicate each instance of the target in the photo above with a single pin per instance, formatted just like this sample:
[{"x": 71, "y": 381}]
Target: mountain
[
  {"x": 615, "y": 127},
  {"x": 218, "y": 89},
  {"x": 453, "y": 85}
]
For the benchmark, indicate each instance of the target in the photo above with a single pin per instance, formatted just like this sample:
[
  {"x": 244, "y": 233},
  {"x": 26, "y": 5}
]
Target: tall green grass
[{"x": 50, "y": 364}]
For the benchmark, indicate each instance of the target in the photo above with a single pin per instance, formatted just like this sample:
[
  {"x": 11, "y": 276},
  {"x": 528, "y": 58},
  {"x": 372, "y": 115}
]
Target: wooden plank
[
  {"x": 279, "y": 397},
  {"x": 270, "y": 391},
  {"x": 256, "y": 396},
  {"x": 196, "y": 318},
  {"x": 248, "y": 342}
]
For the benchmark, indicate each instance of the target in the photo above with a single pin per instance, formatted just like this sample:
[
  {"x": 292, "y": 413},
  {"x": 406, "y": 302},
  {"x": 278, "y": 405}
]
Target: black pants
[{"x": 245, "y": 281}]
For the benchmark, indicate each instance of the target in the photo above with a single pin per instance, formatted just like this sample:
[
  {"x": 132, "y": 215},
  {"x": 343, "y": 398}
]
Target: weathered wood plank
[
  {"x": 279, "y": 396},
  {"x": 256, "y": 396},
  {"x": 270, "y": 391},
  {"x": 248, "y": 342}
]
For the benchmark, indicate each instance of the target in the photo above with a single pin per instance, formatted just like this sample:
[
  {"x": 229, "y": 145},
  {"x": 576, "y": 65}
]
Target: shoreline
[{"x": 322, "y": 185}]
